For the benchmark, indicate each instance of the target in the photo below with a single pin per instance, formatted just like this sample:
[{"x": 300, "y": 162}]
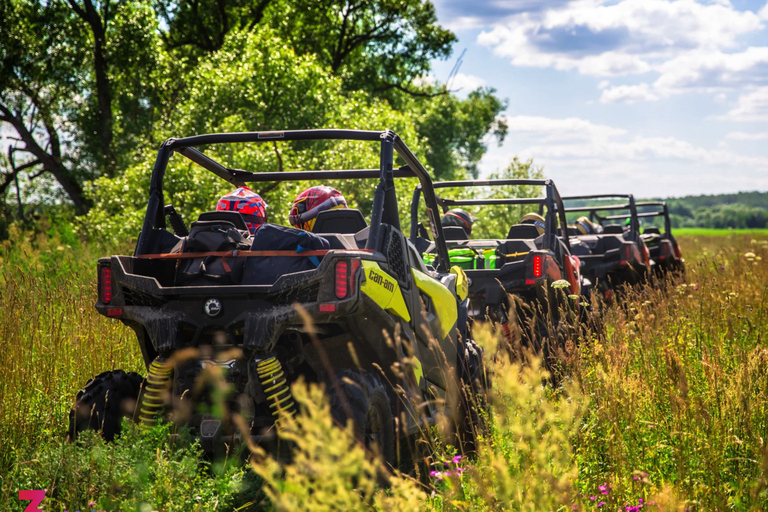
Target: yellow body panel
[
  {"x": 462, "y": 286},
  {"x": 384, "y": 290},
  {"x": 442, "y": 298}
]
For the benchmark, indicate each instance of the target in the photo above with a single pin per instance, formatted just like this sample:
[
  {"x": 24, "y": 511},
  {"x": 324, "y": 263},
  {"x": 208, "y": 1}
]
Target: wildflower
[
  {"x": 91, "y": 503},
  {"x": 561, "y": 283},
  {"x": 592, "y": 498},
  {"x": 600, "y": 504},
  {"x": 750, "y": 255},
  {"x": 696, "y": 287},
  {"x": 604, "y": 489},
  {"x": 722, "y": 267},
  {"x": 456, "y": 459}
]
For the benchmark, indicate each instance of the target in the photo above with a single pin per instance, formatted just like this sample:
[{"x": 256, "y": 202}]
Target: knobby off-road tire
[
  {"x": 104, "y": 402},
  {"x": 362, "y": 397}
]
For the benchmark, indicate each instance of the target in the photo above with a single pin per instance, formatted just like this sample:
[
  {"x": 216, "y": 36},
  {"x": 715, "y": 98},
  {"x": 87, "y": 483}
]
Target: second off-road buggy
[
  {"x": 522, "y": 264},
  {"x": 662, "y": 245},
  {"x": 351, "y": 306},
  {"x": 615, "y": 255}
]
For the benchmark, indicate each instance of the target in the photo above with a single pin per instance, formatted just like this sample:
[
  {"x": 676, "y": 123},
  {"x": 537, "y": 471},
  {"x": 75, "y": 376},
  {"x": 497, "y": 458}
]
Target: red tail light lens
[
  {"x": 342, "y": 279},
  {"x": 105, "y": 285},
  {"x": 537, "y": 266},
  {"x": 627, "y": 252}
]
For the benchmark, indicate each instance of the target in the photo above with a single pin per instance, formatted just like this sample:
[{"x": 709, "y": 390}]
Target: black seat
[
  {"x": 523, "y": 232},
  {"x": 613, "y": 229},
  {"x": 651, "y": 230},
  {"x": 229, "y": 217},
  {"x": 454, "y": 233},
  {"x": 346, "y": 221},
  {"x": 573, "y": 231}
]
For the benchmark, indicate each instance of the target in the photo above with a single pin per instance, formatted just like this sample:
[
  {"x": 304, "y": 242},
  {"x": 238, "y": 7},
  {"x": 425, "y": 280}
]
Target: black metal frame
[
  {"x": 631, "y": 206},
  {"x": 550, "y": 200},
  {"x": 384, "y": 201},
  {"x": 663, "y": 212}
]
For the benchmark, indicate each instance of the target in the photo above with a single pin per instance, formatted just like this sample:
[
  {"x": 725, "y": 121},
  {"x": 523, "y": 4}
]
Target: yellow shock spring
[
  {"x": 273, "y": 382},
  {"x": 153, "y": 397}
]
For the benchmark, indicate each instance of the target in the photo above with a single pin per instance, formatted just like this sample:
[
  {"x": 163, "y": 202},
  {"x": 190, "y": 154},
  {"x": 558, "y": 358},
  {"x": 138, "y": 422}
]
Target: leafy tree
[
  {"x": 65, "y": 67},
  {"x": 254, "y": 82}
]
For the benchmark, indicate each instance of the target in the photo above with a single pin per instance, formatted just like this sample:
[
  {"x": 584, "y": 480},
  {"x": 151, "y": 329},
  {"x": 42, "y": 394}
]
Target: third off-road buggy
[
  {"x": 662, "y": 245},
  {"x": 616, "y": 255},
  {"x": 351, "y": 305},
  {"x": 522, "y": 264}
]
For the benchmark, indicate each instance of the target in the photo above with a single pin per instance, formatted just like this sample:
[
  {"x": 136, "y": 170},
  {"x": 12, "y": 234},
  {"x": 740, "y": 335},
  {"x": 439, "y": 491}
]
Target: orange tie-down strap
[{"x": 238, "y": 254}]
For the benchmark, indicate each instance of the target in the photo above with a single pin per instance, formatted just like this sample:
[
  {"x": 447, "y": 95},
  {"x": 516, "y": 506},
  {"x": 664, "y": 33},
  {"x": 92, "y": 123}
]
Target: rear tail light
[
  {"x": 626, "y": 252},
  {"x": 105, "y": 285},
  {"x": 537, "y": 266},
  {"x": 342, "y": 279},
  {"x": 345, "y": 278}
]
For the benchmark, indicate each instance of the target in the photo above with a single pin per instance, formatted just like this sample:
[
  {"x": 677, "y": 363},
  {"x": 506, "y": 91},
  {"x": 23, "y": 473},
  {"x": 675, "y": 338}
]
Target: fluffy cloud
[
  {"x": 747, "y": 136},
  {"x": 585, "y": 156},
  {"x": 751, "y": 106},
  {"x": 628, "y": 94},
  {"x": 688, "y": 45},
  {"x": 462, "y": 82}
]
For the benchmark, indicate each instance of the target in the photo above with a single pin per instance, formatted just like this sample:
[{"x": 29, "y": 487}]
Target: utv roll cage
[
  {"x": 664, "y": 211},
  {"x": 384, "y": 208},
  {"x": 551, "y": 200},
  {"x": 630, "y": 205}
]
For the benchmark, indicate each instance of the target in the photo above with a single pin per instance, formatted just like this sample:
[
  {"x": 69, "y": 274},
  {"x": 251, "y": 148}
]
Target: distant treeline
[{"x": 722, "y": 211}]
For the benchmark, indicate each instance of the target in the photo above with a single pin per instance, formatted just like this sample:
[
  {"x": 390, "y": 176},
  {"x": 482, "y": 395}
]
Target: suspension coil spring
[
  {"x": 272, "y": 379},
  {"x": 155, "y": 389}
]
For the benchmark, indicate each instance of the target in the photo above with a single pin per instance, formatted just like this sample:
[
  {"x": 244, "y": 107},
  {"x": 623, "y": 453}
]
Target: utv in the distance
[
  {"x": 522, "y": 264},
  {"x": 614, "y": 255},
  {"x": 662, "y": 245},
  {"x": 351, "y": 306}
]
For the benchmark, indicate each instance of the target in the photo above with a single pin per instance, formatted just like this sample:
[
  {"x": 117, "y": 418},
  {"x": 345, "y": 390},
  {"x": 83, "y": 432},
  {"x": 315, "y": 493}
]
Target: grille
[
  {"x": 138, "y": 298},
  {"x": 395, "y": 256},
  {"x": 301, "y": 295}
]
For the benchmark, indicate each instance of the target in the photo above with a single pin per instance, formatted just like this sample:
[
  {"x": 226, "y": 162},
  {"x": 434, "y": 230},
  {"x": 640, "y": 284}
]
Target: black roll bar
[
  {"x": 550, "y": 200},
  {"x": 384, "y": 197}
]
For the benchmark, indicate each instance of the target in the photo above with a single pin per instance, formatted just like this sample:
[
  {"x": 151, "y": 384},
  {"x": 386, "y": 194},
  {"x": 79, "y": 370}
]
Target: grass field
[
  {"x": 668, "y": 410},
  {"x": 688, "y": 232}
]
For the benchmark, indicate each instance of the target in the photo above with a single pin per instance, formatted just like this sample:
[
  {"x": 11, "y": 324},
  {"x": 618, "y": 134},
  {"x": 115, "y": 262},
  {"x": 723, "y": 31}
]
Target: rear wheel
[
  {"x": 104, "y": 402},
  {"x": 474, "y": 383},
  {"x": 361, "y": 397}
]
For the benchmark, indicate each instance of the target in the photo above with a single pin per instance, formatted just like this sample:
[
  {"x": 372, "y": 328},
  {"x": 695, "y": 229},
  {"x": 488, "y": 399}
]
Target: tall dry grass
[
  {"x": 668, "y": 410},
  {"x": 52, "y": 342}
]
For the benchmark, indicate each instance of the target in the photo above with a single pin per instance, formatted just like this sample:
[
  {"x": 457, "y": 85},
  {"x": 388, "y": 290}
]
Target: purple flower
[
  {"x": 592, "y": 498},
  {"x": 635, "y": 478},
  {"x": 436, "y": 474},
  {"x": 722, "y": 268},
  {"x": 600, "y": 504},
  {"x": 91, "y": 503},
  {"x": 456, "y": 459},
  {"x": 447, "y": 473}
]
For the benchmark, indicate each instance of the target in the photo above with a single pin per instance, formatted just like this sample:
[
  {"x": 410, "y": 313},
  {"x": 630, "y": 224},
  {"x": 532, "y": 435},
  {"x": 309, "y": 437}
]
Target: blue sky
[{"x": 655, "y": 97}]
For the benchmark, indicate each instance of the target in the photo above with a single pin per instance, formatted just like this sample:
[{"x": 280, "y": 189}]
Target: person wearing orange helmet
[
  {"x": 309, "y": 203},
  {"x": 250, "y": 205}
]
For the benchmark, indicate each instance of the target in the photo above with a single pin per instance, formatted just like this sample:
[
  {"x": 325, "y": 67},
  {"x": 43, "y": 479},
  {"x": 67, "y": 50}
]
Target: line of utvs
[{"x": 382, "y": 320}]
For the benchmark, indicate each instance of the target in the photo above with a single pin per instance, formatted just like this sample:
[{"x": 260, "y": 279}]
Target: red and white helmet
[
  {"x": 250, "y": 205},
  {"x": 308, "y": 205}
]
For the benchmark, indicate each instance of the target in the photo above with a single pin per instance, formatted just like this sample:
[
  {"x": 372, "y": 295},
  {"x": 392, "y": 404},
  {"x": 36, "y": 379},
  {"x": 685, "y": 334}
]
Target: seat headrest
[
  {"x": 613, "y": 229},
  {"x": 234, "y": 218},
  {"x": 652, "y": 230},
  {"x": 454, "y": 233},
  {"x": 523, "y": 232},
  {"x": 345, "y": 221}
]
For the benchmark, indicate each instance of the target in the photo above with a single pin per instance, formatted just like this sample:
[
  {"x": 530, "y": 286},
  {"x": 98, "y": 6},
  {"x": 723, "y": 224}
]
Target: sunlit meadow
[{"x": 667, "y": 409}]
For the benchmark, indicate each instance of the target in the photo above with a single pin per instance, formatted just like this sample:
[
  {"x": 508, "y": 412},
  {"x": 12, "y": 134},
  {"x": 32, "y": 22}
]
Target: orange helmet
[{"x": 308, "y": 205}]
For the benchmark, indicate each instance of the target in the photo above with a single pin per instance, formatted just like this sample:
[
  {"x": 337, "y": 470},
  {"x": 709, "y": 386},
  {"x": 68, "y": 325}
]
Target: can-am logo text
[{"x": 379, "y": 279}]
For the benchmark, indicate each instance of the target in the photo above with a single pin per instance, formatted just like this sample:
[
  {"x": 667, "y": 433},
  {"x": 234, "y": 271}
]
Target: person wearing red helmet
[
  {"x": 250, "y": 205},
  {"x": 308, "y": 205},
  {"x": 460, "y": 218}
]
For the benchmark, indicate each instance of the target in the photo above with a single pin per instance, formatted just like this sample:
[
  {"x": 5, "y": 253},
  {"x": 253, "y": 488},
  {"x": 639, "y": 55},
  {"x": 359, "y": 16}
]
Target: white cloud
[
  {"x": 747, "y": 136},
  {"x": 465, "y": 82},
  {"x": 582, "y": 156},
  {"x": 687, "y": 44},
  {"x": 546, "y": 129},
  {"x": 751, "y": 106},
  {"x": 628, "y": 94}
]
